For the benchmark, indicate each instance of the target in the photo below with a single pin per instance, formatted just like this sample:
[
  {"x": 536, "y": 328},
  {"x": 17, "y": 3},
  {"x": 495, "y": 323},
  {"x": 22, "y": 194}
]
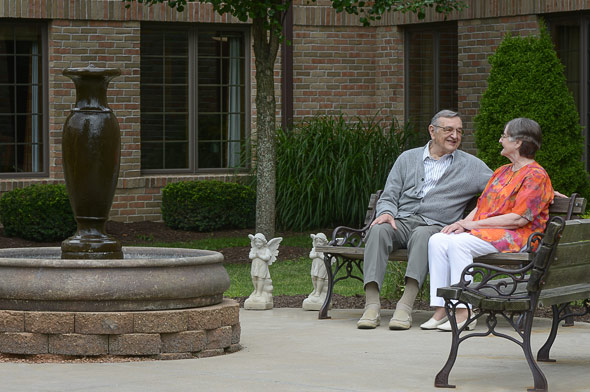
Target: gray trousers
[{"x": 413, "y": 234}]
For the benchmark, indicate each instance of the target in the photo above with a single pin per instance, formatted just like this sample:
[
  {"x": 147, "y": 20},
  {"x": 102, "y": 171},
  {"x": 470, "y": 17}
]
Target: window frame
[
  {"x": 435, "y": 29},
  {"x": 582, "y": 20},
  {"x": 44, "y": 58},
  {"x": 193, "y": 31}
]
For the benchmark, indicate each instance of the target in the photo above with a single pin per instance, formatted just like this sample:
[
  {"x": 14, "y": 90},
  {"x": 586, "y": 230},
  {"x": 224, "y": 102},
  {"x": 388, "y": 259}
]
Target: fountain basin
[{"x": 37, "y": 279}]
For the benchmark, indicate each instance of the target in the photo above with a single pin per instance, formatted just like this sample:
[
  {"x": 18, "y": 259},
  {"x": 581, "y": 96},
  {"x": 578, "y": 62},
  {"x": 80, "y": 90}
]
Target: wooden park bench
[
  {"x": 558, "y": 274},
  {"x": 345, "y": 252}
]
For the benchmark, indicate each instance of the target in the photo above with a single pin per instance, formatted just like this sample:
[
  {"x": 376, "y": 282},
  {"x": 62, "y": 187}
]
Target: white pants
[{"x": 448, "y": 255}]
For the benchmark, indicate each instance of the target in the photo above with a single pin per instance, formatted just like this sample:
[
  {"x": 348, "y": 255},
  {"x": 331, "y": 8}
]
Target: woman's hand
[{"x": 453, "y": 228}]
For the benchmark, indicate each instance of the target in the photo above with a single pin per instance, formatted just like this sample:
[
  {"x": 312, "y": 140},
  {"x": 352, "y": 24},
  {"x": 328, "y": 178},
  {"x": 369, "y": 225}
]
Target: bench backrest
[
  {"x": 570, "y": 263},
  {"x": 568, "y": 208}
]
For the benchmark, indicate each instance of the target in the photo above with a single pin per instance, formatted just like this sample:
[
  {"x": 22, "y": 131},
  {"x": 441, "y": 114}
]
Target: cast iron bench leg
[
  {"x": 324, "y": 309},
  {"x": 543, "y": 354}
]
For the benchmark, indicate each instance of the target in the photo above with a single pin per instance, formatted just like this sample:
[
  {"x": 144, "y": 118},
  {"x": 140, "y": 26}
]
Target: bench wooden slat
[
  {"x": 402, "y": 255},
  {"x": 580, "y": 234},
  {"x": 561, "y": 295}
]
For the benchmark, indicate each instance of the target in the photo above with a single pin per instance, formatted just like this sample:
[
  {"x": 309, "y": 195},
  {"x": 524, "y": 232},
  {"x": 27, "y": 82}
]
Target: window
[
  {"x": 431, "y": 72},
  {"x": 571, "y": 37},
  {"x": 22, "y": 98},
  {"x": 193, "y": 99}
]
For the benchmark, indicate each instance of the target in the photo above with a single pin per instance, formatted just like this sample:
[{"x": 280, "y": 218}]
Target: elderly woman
[{"x": 514, "y": 204}]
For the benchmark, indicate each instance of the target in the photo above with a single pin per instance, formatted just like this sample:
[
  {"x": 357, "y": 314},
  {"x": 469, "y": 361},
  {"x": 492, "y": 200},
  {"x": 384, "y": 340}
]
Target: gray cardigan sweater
[{"x": 444, "y": 204}]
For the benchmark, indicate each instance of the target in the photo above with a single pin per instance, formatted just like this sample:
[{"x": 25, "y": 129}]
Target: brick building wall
[{"x": 338, "y": 66}]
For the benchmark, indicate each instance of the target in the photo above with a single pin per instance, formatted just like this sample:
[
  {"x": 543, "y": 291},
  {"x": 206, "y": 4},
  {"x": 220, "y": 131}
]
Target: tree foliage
[{"x": 527, "y": 80}]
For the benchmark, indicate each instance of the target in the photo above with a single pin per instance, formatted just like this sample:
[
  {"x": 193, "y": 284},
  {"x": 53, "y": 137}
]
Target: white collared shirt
[{"x": 433, "y": 169}]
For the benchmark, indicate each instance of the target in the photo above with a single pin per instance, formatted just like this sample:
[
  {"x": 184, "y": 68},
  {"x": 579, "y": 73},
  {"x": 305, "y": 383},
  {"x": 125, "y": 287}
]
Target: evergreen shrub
[
  {"x": 328, "y": 166},
  {"x": 39, "y": 212},
  {"x": 208, "y": 205},
  {"x": 527, "y": 80}
]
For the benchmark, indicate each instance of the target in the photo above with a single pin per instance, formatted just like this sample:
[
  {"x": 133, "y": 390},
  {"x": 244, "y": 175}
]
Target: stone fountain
[{"x": 94, "y": 297}]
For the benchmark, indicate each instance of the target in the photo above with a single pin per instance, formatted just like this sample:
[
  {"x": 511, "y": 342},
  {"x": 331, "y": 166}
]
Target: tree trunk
[{"x": 265, "y": 50}]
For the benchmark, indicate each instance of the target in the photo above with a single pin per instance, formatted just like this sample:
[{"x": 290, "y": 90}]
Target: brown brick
[
  {"x": 211, "y": 317},
  {"x": 104, "y": 323},
  {"x": 49, "y": 322},
  {"x": 23, "y": 343},
  {"x": 160, "y": 322},
  {"x": 211, "y": 353},
  {"x": 233, "y": 348},
  {"x": 134, "y": 344},
  {"x": 174, "y": 356},
  {"x": 219, "y": 338},
  {"x": 12, "y": 321},
  {"x": 187, "y": 341},
  {"x": 78, "y": 344},
  {"x": 236, "y": 330}
]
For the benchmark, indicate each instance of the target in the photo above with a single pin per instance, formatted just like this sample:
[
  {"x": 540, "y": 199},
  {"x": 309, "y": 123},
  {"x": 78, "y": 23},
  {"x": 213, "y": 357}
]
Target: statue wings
[{"x": 273, "y": 246}]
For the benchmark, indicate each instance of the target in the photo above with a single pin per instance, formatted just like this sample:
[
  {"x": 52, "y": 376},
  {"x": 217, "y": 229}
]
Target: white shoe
[
  {"x": 447, "y": 326},
  {"x": 433, "y": 324}
]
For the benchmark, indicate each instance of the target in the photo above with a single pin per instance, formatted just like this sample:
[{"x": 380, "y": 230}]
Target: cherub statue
[
  {"x": 319, "y": 275},
  {"x": 262, "y": 254}
]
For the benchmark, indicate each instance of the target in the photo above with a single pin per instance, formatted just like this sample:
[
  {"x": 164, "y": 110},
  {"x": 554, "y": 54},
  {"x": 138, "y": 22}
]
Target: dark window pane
[
  {"x": 7, "y": 162},
  {"x": 209, "y": 99},
  {"x": 152, "y": 98},
  {"x": 209, "y": 155},
  {"x": 7, "y": 40},
  {"x": 209, "y": 71},
  {"x": 209, "y": 127},
  {"x": 176, "y": 43},
  {"x": 21, "y": 97},
  {"x": 176, "y": 127},
  {"x": 152, "y": 70},
  {"x": 7, "y": 129},
  {"x": 433, "y": 81},
  {"x": 209, "y": 44},
  {"x": 152, "y": 43},
  {"x": 218, "y": 109},
  {"x": 27, "y": 40},
  {"x": 176, "y": 99},
  {"x": 152, "y": 155},
  {"x": 176, "y": 71},
  {"x": 6, "y": 69},
  {"x": 176, "y": 155},
  {"x": 152, "y": 127}
]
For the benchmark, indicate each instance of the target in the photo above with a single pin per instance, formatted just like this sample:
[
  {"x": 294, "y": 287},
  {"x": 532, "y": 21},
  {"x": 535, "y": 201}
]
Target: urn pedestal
[{"x": 91, "y": 145}]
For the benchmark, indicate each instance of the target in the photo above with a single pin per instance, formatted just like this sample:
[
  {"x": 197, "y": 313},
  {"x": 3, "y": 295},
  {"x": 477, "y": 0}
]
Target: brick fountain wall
[{"x": 169, "y": 334}]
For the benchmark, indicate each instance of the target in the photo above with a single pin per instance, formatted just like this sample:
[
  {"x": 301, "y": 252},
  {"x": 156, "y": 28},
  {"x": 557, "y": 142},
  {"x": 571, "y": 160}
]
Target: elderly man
[{"x": 427, "y": 188}]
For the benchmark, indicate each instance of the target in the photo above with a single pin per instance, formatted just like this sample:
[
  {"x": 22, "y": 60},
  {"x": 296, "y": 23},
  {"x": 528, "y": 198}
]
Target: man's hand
[{"x": 385, "y": 218}]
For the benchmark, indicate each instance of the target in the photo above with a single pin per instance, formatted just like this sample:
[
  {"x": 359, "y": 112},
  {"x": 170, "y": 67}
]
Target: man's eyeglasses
[
  {"x": 449, "y": 130},
  {"x": 504, "y": 136}
]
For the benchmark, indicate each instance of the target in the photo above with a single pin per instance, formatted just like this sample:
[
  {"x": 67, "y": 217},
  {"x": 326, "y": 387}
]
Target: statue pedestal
[
  {"x": 257, "y": 303},
  {"x": 262, "y": 301}
]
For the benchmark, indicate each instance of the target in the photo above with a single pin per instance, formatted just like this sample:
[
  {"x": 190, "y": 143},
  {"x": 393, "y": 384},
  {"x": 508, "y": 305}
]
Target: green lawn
[{"x": 290, "y": 277}]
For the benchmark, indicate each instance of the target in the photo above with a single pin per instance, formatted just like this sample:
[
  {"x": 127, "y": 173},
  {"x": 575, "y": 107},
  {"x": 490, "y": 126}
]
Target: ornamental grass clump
[
  {"x": 327, "y": 167},
  {"x": 39, "y": 212},
  {"x": 527, "y": 80}
]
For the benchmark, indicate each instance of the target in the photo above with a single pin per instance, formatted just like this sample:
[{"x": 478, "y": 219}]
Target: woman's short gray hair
[
  {"x": 528, "y": 132},
  {"x": 443, "y": 113}
]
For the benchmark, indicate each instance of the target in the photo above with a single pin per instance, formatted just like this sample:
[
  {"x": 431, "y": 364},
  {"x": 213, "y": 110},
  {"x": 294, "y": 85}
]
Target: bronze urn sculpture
[{"x": 91, "y": 145}]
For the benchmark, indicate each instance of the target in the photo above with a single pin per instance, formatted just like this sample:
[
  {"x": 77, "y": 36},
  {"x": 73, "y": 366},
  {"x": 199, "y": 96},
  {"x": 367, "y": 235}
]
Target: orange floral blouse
[{"x": 526, "y": 192}]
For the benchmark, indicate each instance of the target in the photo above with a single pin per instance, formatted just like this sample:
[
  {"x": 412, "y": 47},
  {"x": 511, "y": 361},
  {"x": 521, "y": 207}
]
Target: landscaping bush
[
  {"x": 208, "y": 205},
  {"x": 37, "y": 213},
  {"x": 327, "y": 167},
  {"x": 527, "y": 80}
]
